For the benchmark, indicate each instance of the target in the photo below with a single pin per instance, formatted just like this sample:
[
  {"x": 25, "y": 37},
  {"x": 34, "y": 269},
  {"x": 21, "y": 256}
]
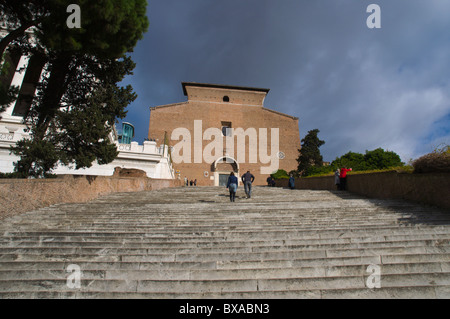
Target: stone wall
[
  {"x": 430, "y": 188},
  {"x": 22, "y": 195}
]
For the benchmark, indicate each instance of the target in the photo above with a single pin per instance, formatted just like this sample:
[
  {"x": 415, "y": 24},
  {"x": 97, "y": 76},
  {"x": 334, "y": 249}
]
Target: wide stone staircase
[{"x": 191, "y": 242}]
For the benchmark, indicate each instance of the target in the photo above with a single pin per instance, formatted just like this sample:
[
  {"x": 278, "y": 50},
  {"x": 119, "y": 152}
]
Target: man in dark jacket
[{"x": 248, "y": 179}]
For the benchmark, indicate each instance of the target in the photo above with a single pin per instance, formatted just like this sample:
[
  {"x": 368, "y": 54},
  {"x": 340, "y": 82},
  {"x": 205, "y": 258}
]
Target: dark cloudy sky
[{"x": 362, "y": 88}]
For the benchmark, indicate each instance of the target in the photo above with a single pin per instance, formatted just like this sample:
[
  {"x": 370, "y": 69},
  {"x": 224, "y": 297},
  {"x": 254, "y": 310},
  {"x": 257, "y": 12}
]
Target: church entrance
[
  {"x": 223, "y": 179},
  {"x": 222, "y": 168}
]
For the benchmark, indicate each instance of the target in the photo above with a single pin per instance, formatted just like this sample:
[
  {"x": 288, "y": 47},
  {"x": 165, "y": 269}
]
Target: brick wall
[{"x": 243, "y": 110}]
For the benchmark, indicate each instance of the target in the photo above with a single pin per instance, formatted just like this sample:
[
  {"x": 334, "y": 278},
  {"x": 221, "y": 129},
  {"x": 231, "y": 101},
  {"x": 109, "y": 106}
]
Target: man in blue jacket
[{"x": 248, "y": 179}]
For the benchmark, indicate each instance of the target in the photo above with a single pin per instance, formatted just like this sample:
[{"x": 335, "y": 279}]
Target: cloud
[{"x": 362, "y": 88}]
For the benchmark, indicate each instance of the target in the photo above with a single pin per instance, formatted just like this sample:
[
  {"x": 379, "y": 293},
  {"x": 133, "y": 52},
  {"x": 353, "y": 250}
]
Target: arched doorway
[{"x": 222, "y": 167}]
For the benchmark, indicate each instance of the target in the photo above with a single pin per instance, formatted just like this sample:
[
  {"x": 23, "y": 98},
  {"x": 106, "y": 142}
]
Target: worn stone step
[
  {"x": 307, "y": 233},
  {"x": 337, "y": 261},
  {"x": 288, "y": 208},
  {"x": 255, "y": 210},
  {"x": 144, "y": 255},
  {"x": 238, "y": 219},
  {"x": 141, "y": 207},
  {"x": 417, "y": 292},
  {"x": 285, "y": 255},
  {"x": 234, "y": 219},
  {"x": 121, "y": 249},
  {"x": 226, "y": 243},
  {"x": 221, "y": 286},
  {"x": 139, "y": 242},
  {"x": 226, "y": 274},
  {"x": 103, "y": 227},
  {"x": 255, "y": 261}
]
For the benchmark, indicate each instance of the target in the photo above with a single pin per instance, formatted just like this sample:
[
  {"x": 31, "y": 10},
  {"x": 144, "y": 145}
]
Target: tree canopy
[
  {"x": 109, "y": 28},
  {"x": 377, "y": 159},
  {"x": 77, "y": 100},
  {"x": 371, "y": 160},
  {"x": 310, "y": 161}
]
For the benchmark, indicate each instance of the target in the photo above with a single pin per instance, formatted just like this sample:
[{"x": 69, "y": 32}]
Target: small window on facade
[
  {"x": 226, "y": 128},
  {"x": 226, "y": 98}
]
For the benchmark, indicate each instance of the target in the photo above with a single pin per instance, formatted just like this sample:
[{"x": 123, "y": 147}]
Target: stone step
[
  {"x": 292, "y": 208},
  {"x": 180, "y": 227},
  {"x": 311, "y": 232},
  {"x": 226, "y": 274},
  {"x": 416, "y": 292},
  {"x": 230, "y": 220},
  {"x": 136, "y": 205},
  {"x": 205, "y": 242},
  {"x": 221, "y": 286},
  {"x": 89, "y": 264},
  {"x": 244, "y": 247},
  {"x": 269, "y": 216},
  {"x": 279, "y": 218},
  {"x": 140, "y": 242},
  {"x": 192, "y": 256},
  {"x": 420, "y": 246}
]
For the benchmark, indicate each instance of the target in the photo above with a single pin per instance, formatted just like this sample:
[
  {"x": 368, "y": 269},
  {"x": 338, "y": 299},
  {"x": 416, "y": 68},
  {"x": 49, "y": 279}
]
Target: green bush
[
  {"x": 280, "y": 174},
  {"x": 12, "y": 175},
  {"x": 319, "y": 170},
  {"x": 23, "y": 175}
]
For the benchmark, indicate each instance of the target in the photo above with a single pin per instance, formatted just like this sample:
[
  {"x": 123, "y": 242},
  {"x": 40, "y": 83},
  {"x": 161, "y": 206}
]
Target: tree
[
  {"x": 108, "y": 23},
  {"x": 381, "y": 159},
  {"x": 20, "y": 16},
  {"x": 309, "y": 153},
  {"x": 371, "y": 160},
  {"x": 78, "y": 100},
  {"x": 351, "y": 159}
]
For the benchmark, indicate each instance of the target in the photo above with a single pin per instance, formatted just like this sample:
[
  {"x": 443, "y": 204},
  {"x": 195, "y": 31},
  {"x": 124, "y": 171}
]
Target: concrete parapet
[
  {"x": 429, "y": 188},
  {"x": 21, "y": 195}
]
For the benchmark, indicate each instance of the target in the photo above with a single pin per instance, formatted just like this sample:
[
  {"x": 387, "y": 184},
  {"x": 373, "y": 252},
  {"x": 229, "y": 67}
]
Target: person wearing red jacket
[{"x": 343, "y": 177}]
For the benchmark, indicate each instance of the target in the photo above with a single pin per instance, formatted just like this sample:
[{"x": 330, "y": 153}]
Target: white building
[{"x": 155, "y": 161}]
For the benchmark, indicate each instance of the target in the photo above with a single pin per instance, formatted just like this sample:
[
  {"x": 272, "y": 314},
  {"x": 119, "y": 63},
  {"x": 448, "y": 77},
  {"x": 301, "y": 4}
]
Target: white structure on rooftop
[{"x": 150, "y": 158}]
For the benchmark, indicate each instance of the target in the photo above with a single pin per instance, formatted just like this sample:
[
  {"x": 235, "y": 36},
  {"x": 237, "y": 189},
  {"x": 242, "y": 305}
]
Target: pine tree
[
  {"x": 309, "y": 153},
  {"x": 78, "y": 100}
]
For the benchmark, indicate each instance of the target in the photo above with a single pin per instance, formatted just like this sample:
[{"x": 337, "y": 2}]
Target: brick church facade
[{"x": 223, "y": 128}]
